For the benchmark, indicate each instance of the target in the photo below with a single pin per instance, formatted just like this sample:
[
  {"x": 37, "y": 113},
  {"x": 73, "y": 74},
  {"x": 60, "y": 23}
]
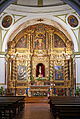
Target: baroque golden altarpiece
[{"x": 40, "y": 63}]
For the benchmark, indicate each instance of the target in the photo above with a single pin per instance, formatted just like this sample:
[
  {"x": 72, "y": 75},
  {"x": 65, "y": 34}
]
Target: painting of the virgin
[{"x": 22, "y": 73}]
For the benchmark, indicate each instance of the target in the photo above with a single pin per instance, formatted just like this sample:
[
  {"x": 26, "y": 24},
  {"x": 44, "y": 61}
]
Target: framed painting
[
  {"x": 7, "y": 21},
  {"x": 59, "y": 75},
  {"x": 58, "y": 42},
  {"x": 22, "y": 75},
  {"x": 21, "y": 42},
  {"x": 73, "y": 21},
  {"x": 40, "y": 42}
]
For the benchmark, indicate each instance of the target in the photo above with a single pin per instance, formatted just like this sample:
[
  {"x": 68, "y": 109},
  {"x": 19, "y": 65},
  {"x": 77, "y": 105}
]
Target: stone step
[{"x": 36, "y": 100}]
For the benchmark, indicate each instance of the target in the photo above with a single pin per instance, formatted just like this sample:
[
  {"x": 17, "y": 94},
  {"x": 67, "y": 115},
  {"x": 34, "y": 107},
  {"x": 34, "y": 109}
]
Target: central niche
[{"x": 40, "y": 70}]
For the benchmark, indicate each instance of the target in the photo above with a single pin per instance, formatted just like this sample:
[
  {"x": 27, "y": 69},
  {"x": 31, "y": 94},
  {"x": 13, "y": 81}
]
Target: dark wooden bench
[
  {"x": 10, "y": 106},
  {"x": 63, "y": 107}
]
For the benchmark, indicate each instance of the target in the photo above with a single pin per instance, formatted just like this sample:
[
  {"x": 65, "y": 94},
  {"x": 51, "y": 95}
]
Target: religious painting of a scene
[
  {"x": 58, "y": 42},
  {"x": 59, "y": 75},
  {"x": 21, "y": 42},
  {"x": 40, "y": 42},
  {"x": 22, "y": 72},
  {"x": 7, "y": 21},
  {"x": 73, "y": 21}
]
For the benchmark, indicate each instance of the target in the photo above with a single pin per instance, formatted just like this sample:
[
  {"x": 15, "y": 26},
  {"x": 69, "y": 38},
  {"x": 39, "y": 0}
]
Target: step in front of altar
[{"x": 36, "y": 99}]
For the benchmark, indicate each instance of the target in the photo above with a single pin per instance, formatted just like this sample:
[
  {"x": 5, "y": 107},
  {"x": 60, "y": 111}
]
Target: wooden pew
[
  {"x": 10, "y": 106},
  {"x": 64, "y": 107}
]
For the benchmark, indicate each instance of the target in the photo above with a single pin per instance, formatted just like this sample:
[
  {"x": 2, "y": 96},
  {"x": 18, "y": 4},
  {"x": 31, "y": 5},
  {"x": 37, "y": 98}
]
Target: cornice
[
  {"x": 77, "y": 53},
  {"x": 2, "y": 53},
  {"x": 53, "y": 9}
]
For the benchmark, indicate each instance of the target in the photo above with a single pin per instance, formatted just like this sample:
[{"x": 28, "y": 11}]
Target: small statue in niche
[{"x": 39, "y": 72}]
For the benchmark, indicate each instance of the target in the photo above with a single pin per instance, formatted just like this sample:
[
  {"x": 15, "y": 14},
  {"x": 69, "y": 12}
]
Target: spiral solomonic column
[
  {"x": 29, "y": 73},
  {"x": 51, "y": 69}
]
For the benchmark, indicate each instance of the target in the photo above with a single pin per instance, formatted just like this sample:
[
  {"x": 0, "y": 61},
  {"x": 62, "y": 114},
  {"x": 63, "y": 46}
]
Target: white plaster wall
[
  {"x": 3, "y": 77},
  {"x": 27, "y": 2},
  {"x": 77, "y": 60},
  {"x": 35, "y": 2},
  {"x": 2, "y": 69},
  {"x": 23, "y": 10}
]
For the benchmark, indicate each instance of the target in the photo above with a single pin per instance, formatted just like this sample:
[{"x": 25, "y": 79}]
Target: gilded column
[
  {"x": 49, "y": 42},
  {"x": 9, "y": 66},
  {"x": 51, "y": 69},
  {"x": 51, "y": 55},
  {"x": 31, "y": 40},
  {"x": 46, "y": 36},
  {"x": 51, "y": 39},
  {"x": 29, "y": 74},
  {"x": 28, "y": 40}
]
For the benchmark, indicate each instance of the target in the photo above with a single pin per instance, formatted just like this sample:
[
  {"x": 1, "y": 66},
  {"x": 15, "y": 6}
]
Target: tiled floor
[{"x": 36, "y": 111}]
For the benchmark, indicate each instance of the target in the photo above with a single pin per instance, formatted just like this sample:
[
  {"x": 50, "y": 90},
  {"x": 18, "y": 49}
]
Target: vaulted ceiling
[{"x": 75, "y": 4}]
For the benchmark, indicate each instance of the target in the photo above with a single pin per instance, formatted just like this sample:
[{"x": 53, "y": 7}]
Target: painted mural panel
[
  {"x": 39, "y": 36},
  {"x": 40, "y": 42},
  {"x": 58, "y": 42},
  {"x": 21, "y": 72},
  {"x": 59, "y": 75},
  {"x": 73, "y": 21},
  {"x": 7, "y": 21},
  {"x": 21, "y": 42}
]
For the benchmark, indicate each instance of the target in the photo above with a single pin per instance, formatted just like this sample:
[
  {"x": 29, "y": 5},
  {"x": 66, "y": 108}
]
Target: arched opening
[{"x": 40, "y": 70}]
